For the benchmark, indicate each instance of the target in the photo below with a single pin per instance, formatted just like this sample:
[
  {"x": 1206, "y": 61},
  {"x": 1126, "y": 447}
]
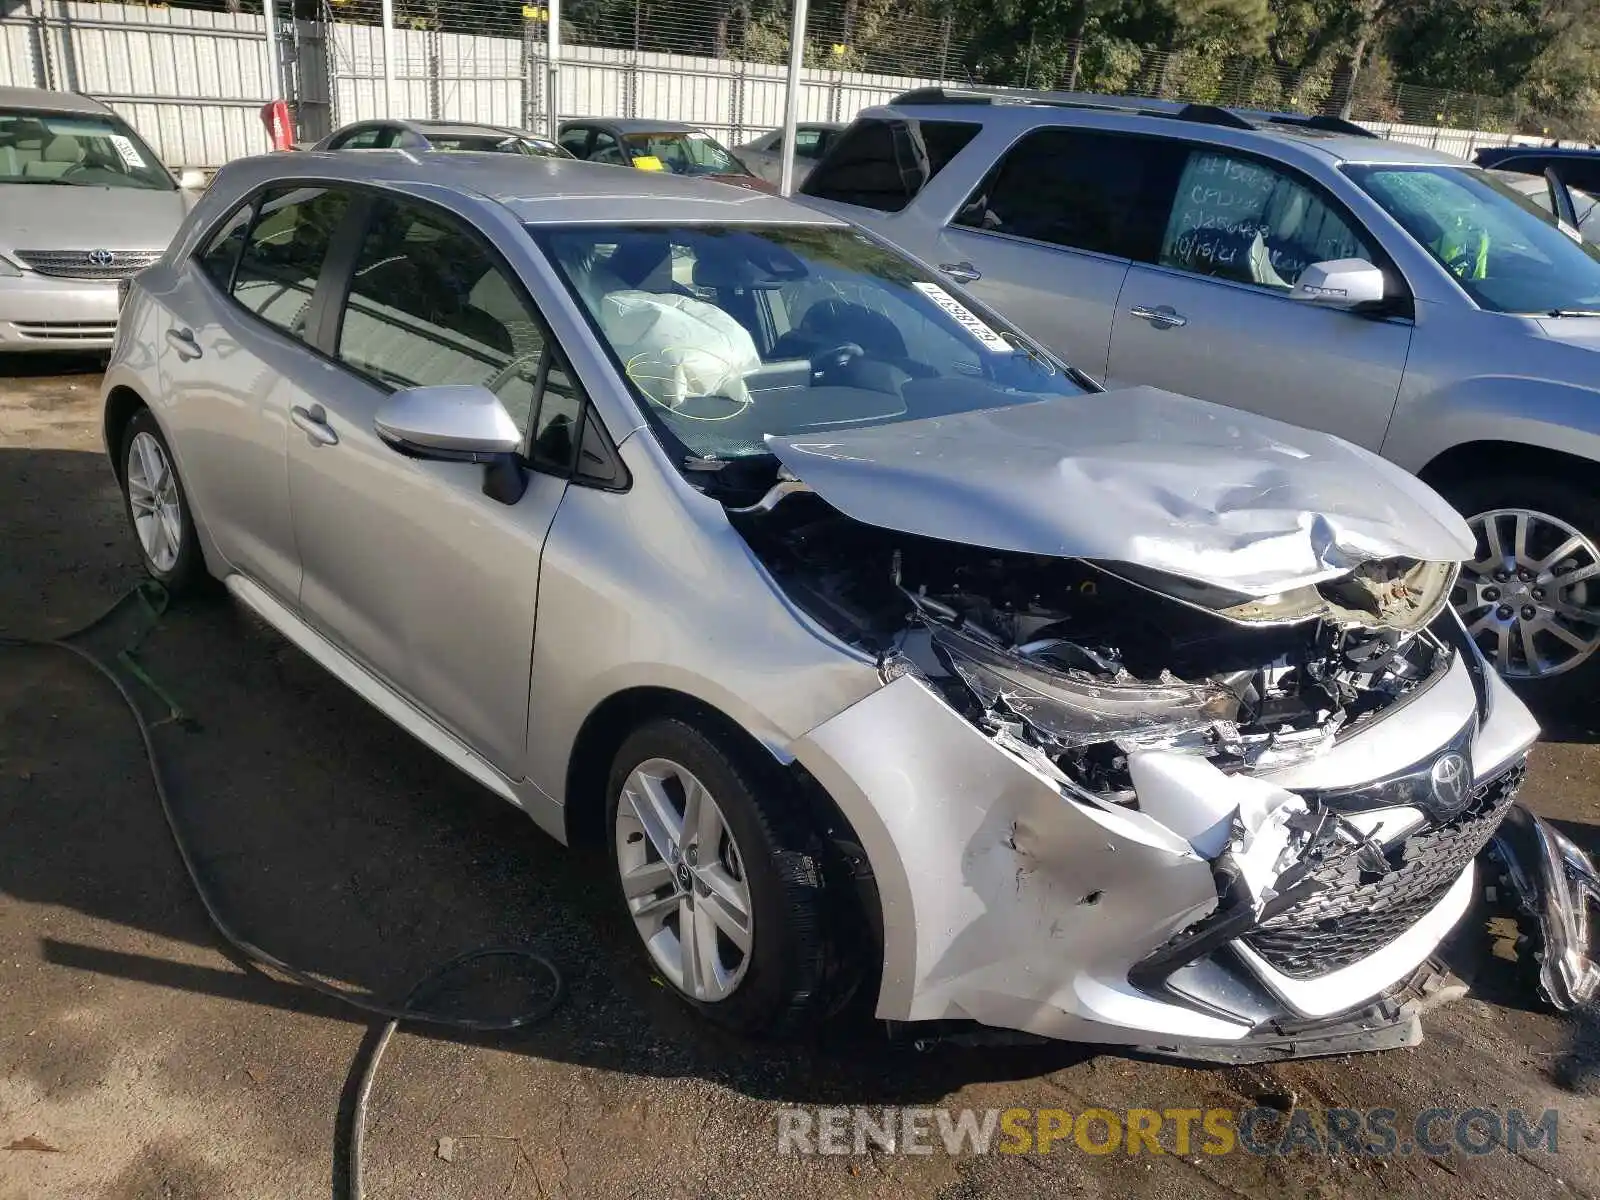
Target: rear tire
[
  {"x": 1531, "y": 598},
  {"x": 158, "y": 507},
  {"x": 676, "y": 875}
]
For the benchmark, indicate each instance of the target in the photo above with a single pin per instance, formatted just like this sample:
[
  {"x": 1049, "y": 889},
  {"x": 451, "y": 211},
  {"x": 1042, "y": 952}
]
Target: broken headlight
[{"x": 1043, "y": 686}]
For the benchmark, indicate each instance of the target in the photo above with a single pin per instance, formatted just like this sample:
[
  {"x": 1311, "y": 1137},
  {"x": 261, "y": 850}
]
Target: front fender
[{"x": 1538, "y": 413}]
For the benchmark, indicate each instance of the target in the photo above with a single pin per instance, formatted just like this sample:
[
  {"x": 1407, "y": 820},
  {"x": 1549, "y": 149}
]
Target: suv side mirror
[
  {"x": 1343, "y": 283},
  {"x": 192, "y": 179},
  {"x": 457, "y": 422}
]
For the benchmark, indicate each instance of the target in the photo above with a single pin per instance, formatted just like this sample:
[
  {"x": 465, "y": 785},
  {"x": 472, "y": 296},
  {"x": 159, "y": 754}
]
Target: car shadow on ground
[{"x": 328, "y": 835}]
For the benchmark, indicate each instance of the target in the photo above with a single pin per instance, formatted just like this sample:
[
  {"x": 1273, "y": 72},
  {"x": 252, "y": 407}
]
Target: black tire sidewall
[
  {"x": 189, "y": 568},
  {"x": 1556, "y": 497},
  {"x": 781, "y": 989}
]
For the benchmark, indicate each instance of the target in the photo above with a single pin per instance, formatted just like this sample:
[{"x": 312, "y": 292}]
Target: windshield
[
  {"x": 1507, "y": 253},
  {"x": 502, "y": 143},
  {"x": 76, "y": 149},
  {"x": 684, "y": 153},
  {"x": 728, "y": 333}
]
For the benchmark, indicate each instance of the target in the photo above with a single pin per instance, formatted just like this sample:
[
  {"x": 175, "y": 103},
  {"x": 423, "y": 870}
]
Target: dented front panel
[{"x": 996, "y": 889}]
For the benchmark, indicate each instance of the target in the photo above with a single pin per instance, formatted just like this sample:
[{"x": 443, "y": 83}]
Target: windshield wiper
[{"x": 1573, "y": 312}]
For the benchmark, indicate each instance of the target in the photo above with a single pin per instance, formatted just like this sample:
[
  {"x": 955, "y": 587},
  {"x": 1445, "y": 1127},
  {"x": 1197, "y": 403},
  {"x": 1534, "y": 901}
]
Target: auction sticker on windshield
[
  {"x": 125, "y": 150},
  {"x": 990, "y": 340}
]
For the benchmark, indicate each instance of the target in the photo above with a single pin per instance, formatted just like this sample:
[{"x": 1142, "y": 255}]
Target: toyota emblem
[
  {"x": 1449, "y": 777},
  {"x": 101, "y": 258}
]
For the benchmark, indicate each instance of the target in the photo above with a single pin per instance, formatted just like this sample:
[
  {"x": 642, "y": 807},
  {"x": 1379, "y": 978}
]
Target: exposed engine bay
[{"x": 1086, "y": 666}]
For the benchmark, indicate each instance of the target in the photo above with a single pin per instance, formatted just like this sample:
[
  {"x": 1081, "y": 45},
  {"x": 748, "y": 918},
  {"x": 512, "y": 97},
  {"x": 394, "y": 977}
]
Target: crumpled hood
[
  {"x": 58, "y": 217},
  {"x": 1140, "y": 475}
]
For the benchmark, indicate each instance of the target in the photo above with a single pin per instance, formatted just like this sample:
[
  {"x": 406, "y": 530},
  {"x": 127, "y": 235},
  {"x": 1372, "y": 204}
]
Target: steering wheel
[
  {"x": 835, "y": 359},
  {"x": 514, "y": 368}
]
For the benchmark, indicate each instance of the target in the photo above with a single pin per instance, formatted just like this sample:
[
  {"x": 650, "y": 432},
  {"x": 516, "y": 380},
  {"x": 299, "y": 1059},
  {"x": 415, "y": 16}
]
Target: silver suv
[{"x": 1299, "y": 267}]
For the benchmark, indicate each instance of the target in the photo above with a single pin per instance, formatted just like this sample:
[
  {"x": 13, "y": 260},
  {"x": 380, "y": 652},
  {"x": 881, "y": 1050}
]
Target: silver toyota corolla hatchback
[{"x": 885, "y": 653}]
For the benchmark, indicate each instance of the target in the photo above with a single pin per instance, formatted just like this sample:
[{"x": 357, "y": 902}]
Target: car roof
[
  {"x": 1494, "y": 154},
  {"x": 46, "y": 101},
  {"x": 1245, "y": 130},
  {"x": 468, "y": 129},
  {"x": 634, "y": 124},
  {"x": 538, "y": 191}
]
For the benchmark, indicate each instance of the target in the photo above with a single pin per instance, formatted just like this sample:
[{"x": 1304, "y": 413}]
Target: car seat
[{"x": 61, "y": 154}]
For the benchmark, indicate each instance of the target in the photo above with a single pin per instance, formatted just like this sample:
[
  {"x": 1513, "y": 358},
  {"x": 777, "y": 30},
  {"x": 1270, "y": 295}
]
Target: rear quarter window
[{"x": 883, "y": 163}]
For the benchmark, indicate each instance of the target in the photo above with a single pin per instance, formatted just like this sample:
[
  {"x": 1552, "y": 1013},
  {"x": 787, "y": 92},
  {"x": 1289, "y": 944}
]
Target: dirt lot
[{"x": 137, "y": 1060}]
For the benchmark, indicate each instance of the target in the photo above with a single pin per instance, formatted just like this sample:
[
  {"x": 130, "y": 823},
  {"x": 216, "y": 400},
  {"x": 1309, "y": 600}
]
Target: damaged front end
[{"x": 1290, "y": 855}]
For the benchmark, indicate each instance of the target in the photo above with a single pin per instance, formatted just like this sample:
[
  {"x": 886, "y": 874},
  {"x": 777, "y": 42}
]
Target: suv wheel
[
  {"x": 722, "y": 880},
  {"x": 1531, "y": 596},
  {"x": 158, "y": 508}
]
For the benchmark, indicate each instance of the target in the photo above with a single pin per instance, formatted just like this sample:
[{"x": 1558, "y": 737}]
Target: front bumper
[
  {"x": 1009, "y": 901},
  {"x": 40, "y": 313}
]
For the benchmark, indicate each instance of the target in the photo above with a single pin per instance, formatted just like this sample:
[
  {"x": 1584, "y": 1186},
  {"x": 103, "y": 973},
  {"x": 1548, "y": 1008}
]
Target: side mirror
[
  {"x": 1342, "y": 283},
  {"x": 458, "y": 422},
  {"x": 192, "y": 179}
]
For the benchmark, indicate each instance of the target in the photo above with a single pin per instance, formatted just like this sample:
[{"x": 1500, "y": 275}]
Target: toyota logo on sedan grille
[
  {"x": 100, "y": 258},
  {"x": 1451, "y": 785}
]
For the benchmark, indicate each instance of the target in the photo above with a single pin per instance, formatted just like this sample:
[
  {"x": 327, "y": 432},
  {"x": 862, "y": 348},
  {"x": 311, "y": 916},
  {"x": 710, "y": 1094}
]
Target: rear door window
[
  {"x": 222, "y": 251},
  {"x": 883, "y": 164},
  {"x": 284, "y": 252},
  {"x": 1080, "y": 189}
]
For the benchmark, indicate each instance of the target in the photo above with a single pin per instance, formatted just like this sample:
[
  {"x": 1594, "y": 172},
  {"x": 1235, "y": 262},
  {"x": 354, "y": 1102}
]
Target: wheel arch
[
  {"x": 1470, "y": 460},
  {"x": 121, "y": 403},
  {"x": 608, "y": 726}
]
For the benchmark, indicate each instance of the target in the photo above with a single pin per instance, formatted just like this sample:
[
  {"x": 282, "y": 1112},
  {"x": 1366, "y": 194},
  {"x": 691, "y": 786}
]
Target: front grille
[
  {"x": 1356, "y": 914},
  {"x": 88, "y": 264}
]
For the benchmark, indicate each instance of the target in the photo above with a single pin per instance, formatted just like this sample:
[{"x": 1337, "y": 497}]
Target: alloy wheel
[
  {"x": 153, "y": 497},
  {"x": 684, "y": 880},
  {"x": 1531, "y": 598}
]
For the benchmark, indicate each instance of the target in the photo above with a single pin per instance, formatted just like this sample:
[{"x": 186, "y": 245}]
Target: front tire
[
  {"x": 1531, "y": 596},
  {"x": 722, "y": 879},
  {"x": 158, "y": 508}
]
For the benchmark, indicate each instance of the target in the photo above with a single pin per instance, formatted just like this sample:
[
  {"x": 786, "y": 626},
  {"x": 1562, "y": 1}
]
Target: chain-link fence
[
  {"x": 191, "y": 77},
  {"x": 719, "y": 63}
]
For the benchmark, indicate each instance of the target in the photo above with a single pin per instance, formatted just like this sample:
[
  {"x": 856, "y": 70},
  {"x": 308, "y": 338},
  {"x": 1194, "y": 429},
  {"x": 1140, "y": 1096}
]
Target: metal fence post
[
  {"x": 269, "y": 18},
  {"x": 46, "y": 72},
  {"x": 552, "y": 66},
  {"x": 388, "y": 59},
  {"x": 791, "y": 98}
]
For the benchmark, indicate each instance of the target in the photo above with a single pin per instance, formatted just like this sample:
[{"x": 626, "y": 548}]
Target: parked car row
[
  {"x": 858, "y": 572},
  {"x": 889, "y": 652}
]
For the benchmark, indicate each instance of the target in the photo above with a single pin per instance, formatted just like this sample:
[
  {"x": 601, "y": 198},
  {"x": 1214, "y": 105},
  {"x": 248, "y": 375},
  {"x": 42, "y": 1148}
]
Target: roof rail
[
  {"x": 1211, "y": 114},
  {"x": 1328, "y": 124},
  {"x": 1205, "y": 114},
  {"x": 983, "y": 95}
]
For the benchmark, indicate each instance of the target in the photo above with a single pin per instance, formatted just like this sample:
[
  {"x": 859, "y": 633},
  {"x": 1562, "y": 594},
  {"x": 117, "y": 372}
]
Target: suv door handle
[
  {"x": 961, "y": 272},
  {"x": 1163, "y": 316},
  {"x": 314, "y": 421},
  {"x": 183, "y": 344}
]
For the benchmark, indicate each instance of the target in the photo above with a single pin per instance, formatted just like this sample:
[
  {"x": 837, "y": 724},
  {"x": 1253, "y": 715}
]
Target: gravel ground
[{"x": 139, "y": 1060}]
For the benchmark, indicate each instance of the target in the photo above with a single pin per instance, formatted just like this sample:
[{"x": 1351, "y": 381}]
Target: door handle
[
  {"x": 314, "y": 421},
  {"x": 1163, "y": 316},
  {"x": 183, "y": 343},
  {"x": 961, "y": 272}
]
